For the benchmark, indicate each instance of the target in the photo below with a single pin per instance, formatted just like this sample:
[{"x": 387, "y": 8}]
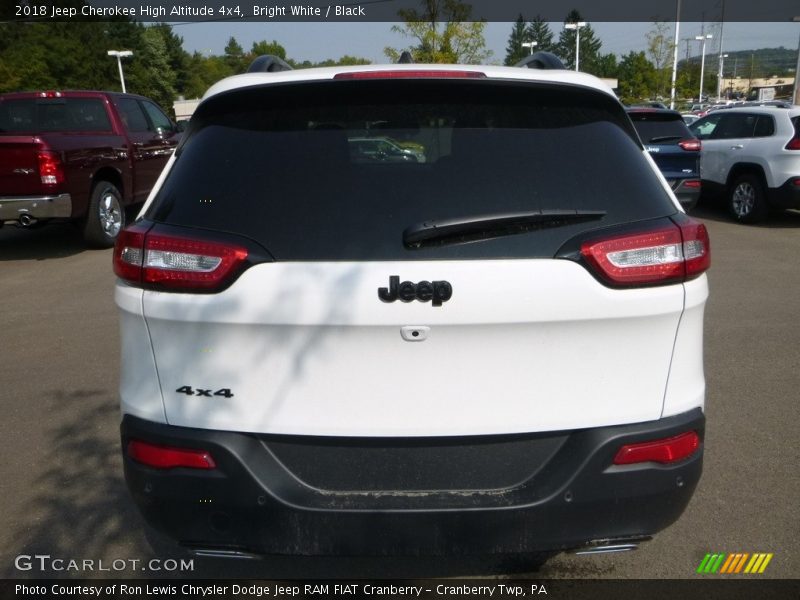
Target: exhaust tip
[
  {"x": 223, "y": 553},
  {"x": 610, "y": 546},
  {"x": 26, "y": 220}
]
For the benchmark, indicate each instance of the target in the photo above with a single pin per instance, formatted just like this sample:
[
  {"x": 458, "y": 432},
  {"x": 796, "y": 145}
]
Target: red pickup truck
[{"x": 82, "y": 156}]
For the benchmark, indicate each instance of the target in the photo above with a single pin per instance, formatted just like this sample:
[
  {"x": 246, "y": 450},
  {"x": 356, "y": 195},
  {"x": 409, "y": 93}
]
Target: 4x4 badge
[{"x": 435, "y": 291}]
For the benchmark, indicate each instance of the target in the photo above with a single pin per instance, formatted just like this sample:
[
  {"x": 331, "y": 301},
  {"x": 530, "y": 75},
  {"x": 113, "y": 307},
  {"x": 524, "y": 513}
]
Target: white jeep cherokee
[
  {"x": 752, "y": 156},
  {"x": 498, "y": 350}
]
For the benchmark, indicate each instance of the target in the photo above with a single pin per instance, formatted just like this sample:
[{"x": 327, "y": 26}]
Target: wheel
[
  {"x": 105, "y": 216},
  {"x": 747, "y": 200}
]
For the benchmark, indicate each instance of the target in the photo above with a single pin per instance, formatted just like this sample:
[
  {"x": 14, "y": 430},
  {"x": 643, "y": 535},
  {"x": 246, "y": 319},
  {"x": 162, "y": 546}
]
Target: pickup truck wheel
[
  {"x": 747, "y": 200},
  {"x": 105, "y": 217}
]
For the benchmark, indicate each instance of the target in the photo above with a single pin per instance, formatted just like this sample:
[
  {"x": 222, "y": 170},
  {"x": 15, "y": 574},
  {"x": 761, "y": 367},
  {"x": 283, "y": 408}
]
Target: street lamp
[
  {"x": 577, "y": 27},
  {"x": 530, "y": 45},
  {"x": 119, "y": 54},
  {"x": 702, "y": 38},
  {"x": 719, "y": 79},
  {"x": 795, "y": 97}
]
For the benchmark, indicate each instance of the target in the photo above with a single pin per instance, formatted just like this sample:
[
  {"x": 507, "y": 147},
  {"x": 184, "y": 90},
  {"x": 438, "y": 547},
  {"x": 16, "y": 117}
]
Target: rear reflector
[
  {"x": 691, "y": 183},
  {"x": 416, "y": 74},
  {"x": 175, "y": 262},
  {"x": 666, "y": 255},
  {"x": 692, "y": 145},
  {"x": 165, "y": 457},
  {"x": 663, "y": 451}
]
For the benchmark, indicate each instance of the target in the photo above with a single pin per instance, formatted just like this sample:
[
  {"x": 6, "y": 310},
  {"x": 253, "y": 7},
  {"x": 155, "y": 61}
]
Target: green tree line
[{"x": 60, "y": 56}]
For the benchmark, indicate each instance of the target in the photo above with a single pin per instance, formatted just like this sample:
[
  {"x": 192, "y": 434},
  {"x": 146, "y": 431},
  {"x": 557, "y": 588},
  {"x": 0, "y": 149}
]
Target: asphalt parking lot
[{"x": 63, "y": 494}]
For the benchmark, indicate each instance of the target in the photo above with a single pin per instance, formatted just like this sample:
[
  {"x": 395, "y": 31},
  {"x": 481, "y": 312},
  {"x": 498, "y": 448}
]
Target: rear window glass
[
  {"x": 660, "y": 127},
  {"x": 51, "y": 115},
  {"x": 338, "y": 170}
]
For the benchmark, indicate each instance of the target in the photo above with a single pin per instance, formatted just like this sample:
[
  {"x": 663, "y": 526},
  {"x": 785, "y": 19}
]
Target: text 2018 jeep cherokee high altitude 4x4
[{"x": 498, "y": 350}]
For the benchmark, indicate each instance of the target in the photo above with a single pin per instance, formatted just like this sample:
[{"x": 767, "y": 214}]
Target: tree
[
  {"x": 234, "y": 57},
  {"x": 660, "y": 48},
  {"x": 151, "y": 75},
  {"x": 265, "y": 47},
  {"x": 636, "y": 77},
  {"x": 589, "y": 45},
  {"x": 515, "y": 51},
  {"x": 539, "y": 32},
  {"x": 443, "y": 34}
]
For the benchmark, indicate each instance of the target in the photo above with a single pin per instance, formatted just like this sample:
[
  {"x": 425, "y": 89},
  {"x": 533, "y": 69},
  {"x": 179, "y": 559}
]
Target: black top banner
[{"x": 264, "y": 11}]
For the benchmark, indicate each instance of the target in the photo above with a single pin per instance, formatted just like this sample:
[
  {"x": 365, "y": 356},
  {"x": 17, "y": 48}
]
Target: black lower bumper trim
[{"x": 252, "y": 503}]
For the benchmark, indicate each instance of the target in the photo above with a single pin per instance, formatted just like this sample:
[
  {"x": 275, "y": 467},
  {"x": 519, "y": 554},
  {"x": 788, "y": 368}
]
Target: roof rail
[
  {"x": 405, "y": 58},
  {"x": 541, "y": 60},
  {"x": 268, "y": 63}
]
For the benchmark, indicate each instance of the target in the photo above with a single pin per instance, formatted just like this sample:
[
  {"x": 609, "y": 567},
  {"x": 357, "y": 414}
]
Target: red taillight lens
[
  {"x": 691, "y": 183},
  {"x": 50, "y": 168},
  {"x": 174, "y": 262},
  {"x": 416, "y": 74},
  {"x": 665, "y": 255},
  {"x": 165, "y": 457},
  {"x": 668, "y": 450},
  {"x": 794, "y": 143},
  {"x": 693, "y": 145}
]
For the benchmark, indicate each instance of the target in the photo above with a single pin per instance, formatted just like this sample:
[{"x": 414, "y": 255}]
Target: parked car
[
  {"x": 80, "y": 156},
  {"x": 689, "y": 118},
  {"x": 751, "y": 157},
  {"x": 382, "y": 149},
  {"x": 497, "y": 351},
  {"x": 674, "y": 149}
]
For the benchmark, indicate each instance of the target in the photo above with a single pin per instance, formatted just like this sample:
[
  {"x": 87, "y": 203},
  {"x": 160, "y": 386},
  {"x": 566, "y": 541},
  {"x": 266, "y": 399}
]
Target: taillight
[
  {"x": 172, "y": 262},
  {"x": 415, "y": 74},
  {"x": 50, "y": 168},
  {"x": 665, "y": 451},
  {"x": 166, "y": 457},
  {"x": 665, "y": 255},
  {"x": 691, "y": 145},
  {"x": 691, "y": 183},
  {"x": 794, "y": 143}
]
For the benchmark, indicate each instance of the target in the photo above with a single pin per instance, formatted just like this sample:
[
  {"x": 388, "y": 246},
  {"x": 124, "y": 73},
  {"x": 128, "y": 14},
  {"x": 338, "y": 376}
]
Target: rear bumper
[
  {"x": 252, "y": 502},
  {"x": 787, "y": 195},
  {"x": 38, "y": 207}
]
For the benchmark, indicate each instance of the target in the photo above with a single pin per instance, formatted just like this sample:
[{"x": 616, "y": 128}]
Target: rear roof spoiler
[
  {"x": 268, "y": 63},
  {"x": 541, "y": 60}
]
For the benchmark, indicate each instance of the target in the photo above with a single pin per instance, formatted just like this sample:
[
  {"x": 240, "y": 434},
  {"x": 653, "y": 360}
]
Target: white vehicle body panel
[{"x": 523, "y": 345}]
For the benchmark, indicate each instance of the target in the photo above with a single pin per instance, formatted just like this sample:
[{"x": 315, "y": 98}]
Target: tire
[
  {"x": 747, "y": 201},
  {"x": 105, "y": 216}
]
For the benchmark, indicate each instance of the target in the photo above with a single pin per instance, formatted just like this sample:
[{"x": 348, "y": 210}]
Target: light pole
[
  {"x": 577, "y": 27},
  {"x": 119, "y": 54},
  {"x": 530, "y": 45},
  {"x": 675, "y": 55},
  {"x": 702, "y": 38},
  {"x": 795, "y": 96},
  {"x": 722, "y": 58}
]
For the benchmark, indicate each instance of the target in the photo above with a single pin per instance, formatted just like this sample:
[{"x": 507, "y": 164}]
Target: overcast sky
[{"x": 318, "y": 41}]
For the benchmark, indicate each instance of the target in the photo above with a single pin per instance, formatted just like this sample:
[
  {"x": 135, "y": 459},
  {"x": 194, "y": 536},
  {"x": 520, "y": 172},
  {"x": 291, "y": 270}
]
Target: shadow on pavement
[
  {"x": 55, "y": 240},
  {"x": 714, "y": 210}
]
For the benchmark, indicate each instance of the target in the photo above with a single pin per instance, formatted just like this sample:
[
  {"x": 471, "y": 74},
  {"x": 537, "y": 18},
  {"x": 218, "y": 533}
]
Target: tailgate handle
[{"x": 415, "y": 333}]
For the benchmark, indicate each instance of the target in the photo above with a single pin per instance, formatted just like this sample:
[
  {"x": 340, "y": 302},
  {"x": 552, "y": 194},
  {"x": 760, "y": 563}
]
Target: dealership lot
[{"x": 64, "y": 496}]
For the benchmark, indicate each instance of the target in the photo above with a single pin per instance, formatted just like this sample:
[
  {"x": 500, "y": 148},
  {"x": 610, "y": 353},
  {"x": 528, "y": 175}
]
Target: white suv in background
[
  {"x": 752, "y": 156},
  {"x": 498, "y": 350}
]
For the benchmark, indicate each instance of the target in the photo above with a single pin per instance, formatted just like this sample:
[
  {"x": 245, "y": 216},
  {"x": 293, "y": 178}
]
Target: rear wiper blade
[
  {"x": 664, "y": 138},
  {"x": 461, "y": 230}
]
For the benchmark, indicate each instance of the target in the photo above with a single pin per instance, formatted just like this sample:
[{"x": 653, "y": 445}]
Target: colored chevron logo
[{"x": 739, "y": 562}]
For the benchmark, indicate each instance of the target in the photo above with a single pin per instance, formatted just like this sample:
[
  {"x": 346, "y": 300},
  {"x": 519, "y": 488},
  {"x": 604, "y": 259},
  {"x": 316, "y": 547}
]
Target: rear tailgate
[
  {"x": 19, "y": 165},
  {"x": 522, "y": 345}
]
